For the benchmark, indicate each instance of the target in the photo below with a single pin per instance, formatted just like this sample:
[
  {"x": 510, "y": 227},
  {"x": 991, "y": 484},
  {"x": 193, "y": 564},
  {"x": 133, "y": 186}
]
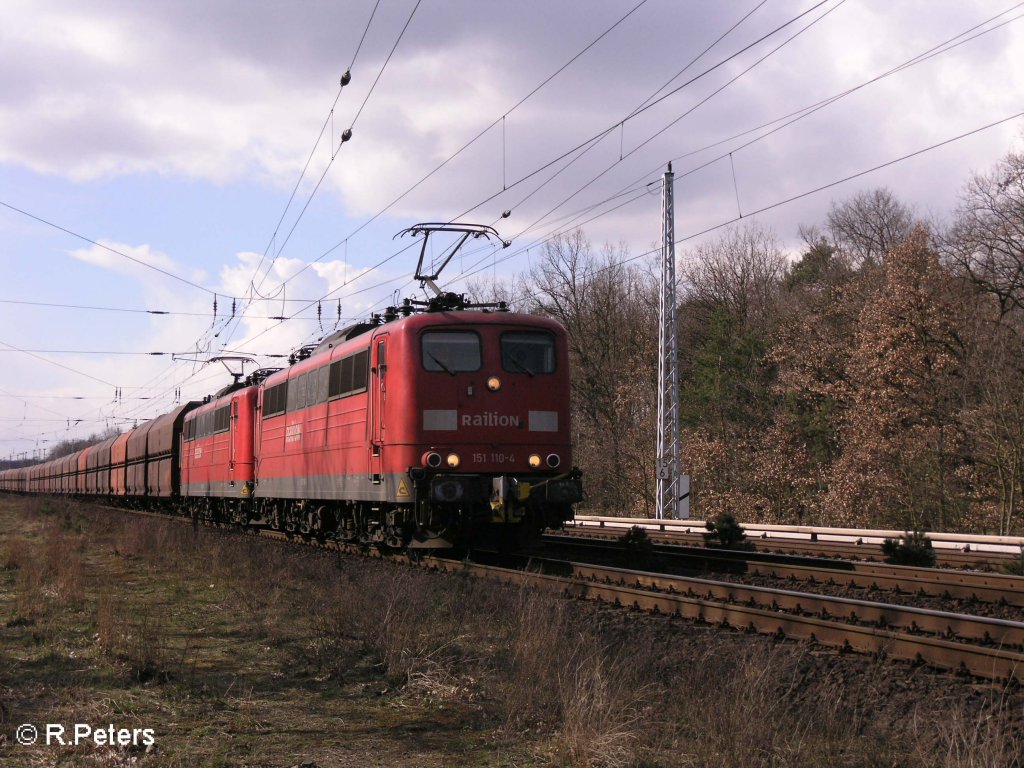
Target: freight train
[{"x": 434, "y": 425}]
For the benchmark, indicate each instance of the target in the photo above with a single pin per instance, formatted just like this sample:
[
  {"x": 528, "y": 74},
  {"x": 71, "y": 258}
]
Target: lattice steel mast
[{"x": 669, "y": 486}]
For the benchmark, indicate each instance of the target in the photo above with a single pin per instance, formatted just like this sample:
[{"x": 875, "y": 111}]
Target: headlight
[
  {"x": 534, "y": 461},
  {"x": 454, "y": 460},
  {"x": 554, "y": 460},
  {"x": 494, "y": 383},
  {"x": 431, "y": 459}
]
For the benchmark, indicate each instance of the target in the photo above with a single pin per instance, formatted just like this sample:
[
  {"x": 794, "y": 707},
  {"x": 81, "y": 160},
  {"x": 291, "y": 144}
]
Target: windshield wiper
[
  {"x": 520, "y": 366},
  {"x": 444, "y": 367}
]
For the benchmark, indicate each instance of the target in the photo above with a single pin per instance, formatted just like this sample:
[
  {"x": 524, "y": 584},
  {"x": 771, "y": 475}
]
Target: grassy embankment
[{"x": 243, "y": 652}]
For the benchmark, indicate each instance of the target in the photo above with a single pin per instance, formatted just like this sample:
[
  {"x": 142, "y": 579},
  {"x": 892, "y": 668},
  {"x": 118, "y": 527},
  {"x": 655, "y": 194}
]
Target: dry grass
[
  {"x": 602, "y": 709},
  {"x": 220, "y": 635},
  {"x": 986, "y": 739},
  {"x": 137, "y": 637},
  {"x": 47, "y": 567},
  {"x": 413, "y": 627}
]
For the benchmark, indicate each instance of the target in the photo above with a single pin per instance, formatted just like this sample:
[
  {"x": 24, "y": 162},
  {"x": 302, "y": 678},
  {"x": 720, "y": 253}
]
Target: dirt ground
[{"x": 224, "y": 650}]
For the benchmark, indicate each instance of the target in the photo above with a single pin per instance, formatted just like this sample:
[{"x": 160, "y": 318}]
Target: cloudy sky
[{"x": 157, "y": 157}]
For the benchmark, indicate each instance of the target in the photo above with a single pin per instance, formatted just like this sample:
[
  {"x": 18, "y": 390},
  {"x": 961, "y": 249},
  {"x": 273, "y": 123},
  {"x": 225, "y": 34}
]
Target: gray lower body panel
[
  {"x": 219, "y": 489},
  {"x": 396, "y": 488}
]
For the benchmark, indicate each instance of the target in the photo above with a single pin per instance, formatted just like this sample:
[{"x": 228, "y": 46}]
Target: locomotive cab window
[
  {"x": 450, "y": 351},
  {"x": 529, "y": 352}
]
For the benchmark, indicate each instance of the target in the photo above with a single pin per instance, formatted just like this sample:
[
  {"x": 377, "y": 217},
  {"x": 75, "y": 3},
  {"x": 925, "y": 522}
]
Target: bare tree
[
  {"x": 609, "y": 309},
  {"x": 987, "y": 238},
  {"x": 67, "y": 447},
  {"x": 739, "y": 272},
  {"x": 868, "y": 225}
]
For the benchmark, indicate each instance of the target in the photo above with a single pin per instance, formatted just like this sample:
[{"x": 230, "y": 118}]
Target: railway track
[
  {"x": 985, "y": 647},
  {"x": 996, "y": 588},
  {"x": 854, "y": 547}
]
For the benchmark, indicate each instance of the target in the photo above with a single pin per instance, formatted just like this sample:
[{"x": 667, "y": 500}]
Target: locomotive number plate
[{"x": 494, "y": 458}]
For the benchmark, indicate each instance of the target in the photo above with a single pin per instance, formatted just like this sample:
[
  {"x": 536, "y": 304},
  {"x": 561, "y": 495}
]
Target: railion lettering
[{"x": 489, "y": 419}]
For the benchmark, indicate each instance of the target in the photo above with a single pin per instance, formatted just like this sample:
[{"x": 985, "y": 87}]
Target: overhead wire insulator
[
  {"x": 346, "y": 78},
  {"x": 346, "y": 135}
]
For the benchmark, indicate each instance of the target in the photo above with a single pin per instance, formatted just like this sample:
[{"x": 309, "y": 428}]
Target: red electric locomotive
[
  {"x": 217, "y": 459},
  {"x": 436, "y": 424},
  {"x": 421, "y": 430}
]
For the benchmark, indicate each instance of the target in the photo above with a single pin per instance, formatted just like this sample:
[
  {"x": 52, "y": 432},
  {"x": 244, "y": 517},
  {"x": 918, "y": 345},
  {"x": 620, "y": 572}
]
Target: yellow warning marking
[{"x": 403, "y": 489}]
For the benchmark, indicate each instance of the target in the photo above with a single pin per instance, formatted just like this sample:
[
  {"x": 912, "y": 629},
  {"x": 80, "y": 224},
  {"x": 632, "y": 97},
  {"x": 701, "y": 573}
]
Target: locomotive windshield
[
  {"x": 451, "y": 351},
  {"x": 528, "y": 352}
]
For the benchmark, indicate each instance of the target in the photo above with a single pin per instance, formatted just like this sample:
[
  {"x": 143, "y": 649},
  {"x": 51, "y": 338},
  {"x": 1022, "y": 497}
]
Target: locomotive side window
[
  {"x": 209, "y": 423},
  {"x": 348, "y": 376},
  {"x": 274, "y": 400},
  {"x": 296, "y": 393},
  {"x": 322, "y": 374},
  {"x": 360, "y": 370},
  {"x": 222, "y": 419},
  {"x": 528, "y": 352},
  {"x": 337, "y": 384},
  {"x": 451, "y": 351}
]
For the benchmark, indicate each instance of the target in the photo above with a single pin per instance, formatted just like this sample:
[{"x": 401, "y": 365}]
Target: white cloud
[
  {"x": 172, "y": 94},
  {"x": 126, "y": 259}
]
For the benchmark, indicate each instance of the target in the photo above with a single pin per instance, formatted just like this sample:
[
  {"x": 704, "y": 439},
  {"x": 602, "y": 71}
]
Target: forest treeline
[{"x": 876, "y": 380}]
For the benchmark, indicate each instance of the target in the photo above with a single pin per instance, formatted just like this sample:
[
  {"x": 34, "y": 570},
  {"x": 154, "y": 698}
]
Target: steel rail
[
  {"x": 987, "y": 661},
  {"x": 1012, "y": 544},
  {"x": 979, "y": 628},
  {"x": 866, "y": 551},
  {"x": 968, "y": 585},
  {"x": 960, "y": 550}
]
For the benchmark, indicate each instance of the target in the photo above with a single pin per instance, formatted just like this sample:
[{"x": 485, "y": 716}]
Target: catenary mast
[{"x": 670, "y": 483}]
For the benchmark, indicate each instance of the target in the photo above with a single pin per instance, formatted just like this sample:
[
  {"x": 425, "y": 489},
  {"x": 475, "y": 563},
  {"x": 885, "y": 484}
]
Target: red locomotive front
[
  {"x": 477, "y": 416},
  {"x": 423, "y": 430}
]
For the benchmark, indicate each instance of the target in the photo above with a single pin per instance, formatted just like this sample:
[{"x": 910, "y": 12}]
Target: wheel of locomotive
[
  {"x": 291, "y": 520},
  {"x": 436, "y": 524}
]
